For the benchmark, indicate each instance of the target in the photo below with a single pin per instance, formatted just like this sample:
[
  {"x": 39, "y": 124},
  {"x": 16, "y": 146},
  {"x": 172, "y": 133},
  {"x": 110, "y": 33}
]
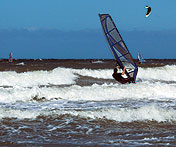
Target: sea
[{"x": 76, "y": 102}]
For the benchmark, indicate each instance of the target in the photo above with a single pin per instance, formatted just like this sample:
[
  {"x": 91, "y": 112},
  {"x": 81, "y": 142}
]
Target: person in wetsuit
[{"x": 118, "y": 76}]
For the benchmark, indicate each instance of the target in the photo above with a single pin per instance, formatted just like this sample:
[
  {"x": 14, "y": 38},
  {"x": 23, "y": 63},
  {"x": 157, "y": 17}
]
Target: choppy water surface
[{"x": 86, "y": 107}]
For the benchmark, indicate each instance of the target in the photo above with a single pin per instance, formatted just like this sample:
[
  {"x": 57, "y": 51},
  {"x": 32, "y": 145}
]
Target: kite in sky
[{"x": 148, "y": 11}]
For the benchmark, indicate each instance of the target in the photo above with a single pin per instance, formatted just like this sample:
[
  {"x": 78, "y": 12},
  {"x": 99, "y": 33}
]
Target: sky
[{"x": 35, "y": 28}]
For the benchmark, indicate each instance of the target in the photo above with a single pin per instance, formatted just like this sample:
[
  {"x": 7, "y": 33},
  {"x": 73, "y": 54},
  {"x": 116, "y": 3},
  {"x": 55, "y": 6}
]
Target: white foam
[
  {"x": 98, "y": 61},
  {"x": 144, "y": 113},
  {"x": 99, "y": 73},
  {"x": 165, "y": 73},
  {"x": 60, "y": 76},
  {"x": 57, "y": 76},
  {"x": 116, "y": 92},
  {"x": 91, "y": 93},
  {"x": 20, "y": 114},
  {"x": 26, "y": 87},
  {"x": 22, "y": 63}
]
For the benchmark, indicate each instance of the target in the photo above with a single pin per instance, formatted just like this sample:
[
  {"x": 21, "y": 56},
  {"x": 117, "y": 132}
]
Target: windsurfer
[
  {"x": 10, "y": 58},
  {"x": 118, "y": 76}
]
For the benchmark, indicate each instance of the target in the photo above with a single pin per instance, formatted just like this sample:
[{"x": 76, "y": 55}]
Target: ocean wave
[
  {"x": 166, "y": 73},
  {"x": 94, "y": 92},
  {"x": 61, "y": 76},
  {"x": 57, "y": 76},
  {"x": 144, "y": 113}
]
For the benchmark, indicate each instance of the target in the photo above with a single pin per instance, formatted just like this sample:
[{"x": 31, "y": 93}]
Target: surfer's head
[{"x": 117, "y": 65}]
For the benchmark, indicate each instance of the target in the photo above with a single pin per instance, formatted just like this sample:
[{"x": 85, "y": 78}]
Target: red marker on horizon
[{"x": 10, "y": 58}]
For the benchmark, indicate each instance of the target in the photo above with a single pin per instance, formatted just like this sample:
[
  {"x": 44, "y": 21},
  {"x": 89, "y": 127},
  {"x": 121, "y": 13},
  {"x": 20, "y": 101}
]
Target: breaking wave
[
  {"x": 144, "y": 113},
  {"x": 61, "y": 76},
  {"x": 90, "y": 93}
]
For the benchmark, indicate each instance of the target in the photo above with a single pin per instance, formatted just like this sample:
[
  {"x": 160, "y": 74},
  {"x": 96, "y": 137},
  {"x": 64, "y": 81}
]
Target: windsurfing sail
[
  {"x": 117, "y": 46},
  {"x": 148, "y": 11},
  {"x": 10, "y": 57},
  {"x": 140, "y": 58}
]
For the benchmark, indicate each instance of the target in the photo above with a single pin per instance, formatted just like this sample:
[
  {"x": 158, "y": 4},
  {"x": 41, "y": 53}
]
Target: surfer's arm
[{"x": 123, "y": 72}]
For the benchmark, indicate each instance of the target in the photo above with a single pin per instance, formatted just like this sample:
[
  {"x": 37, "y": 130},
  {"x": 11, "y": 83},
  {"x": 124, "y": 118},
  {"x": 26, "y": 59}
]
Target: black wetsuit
[{"x": 119, "y": 78}]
